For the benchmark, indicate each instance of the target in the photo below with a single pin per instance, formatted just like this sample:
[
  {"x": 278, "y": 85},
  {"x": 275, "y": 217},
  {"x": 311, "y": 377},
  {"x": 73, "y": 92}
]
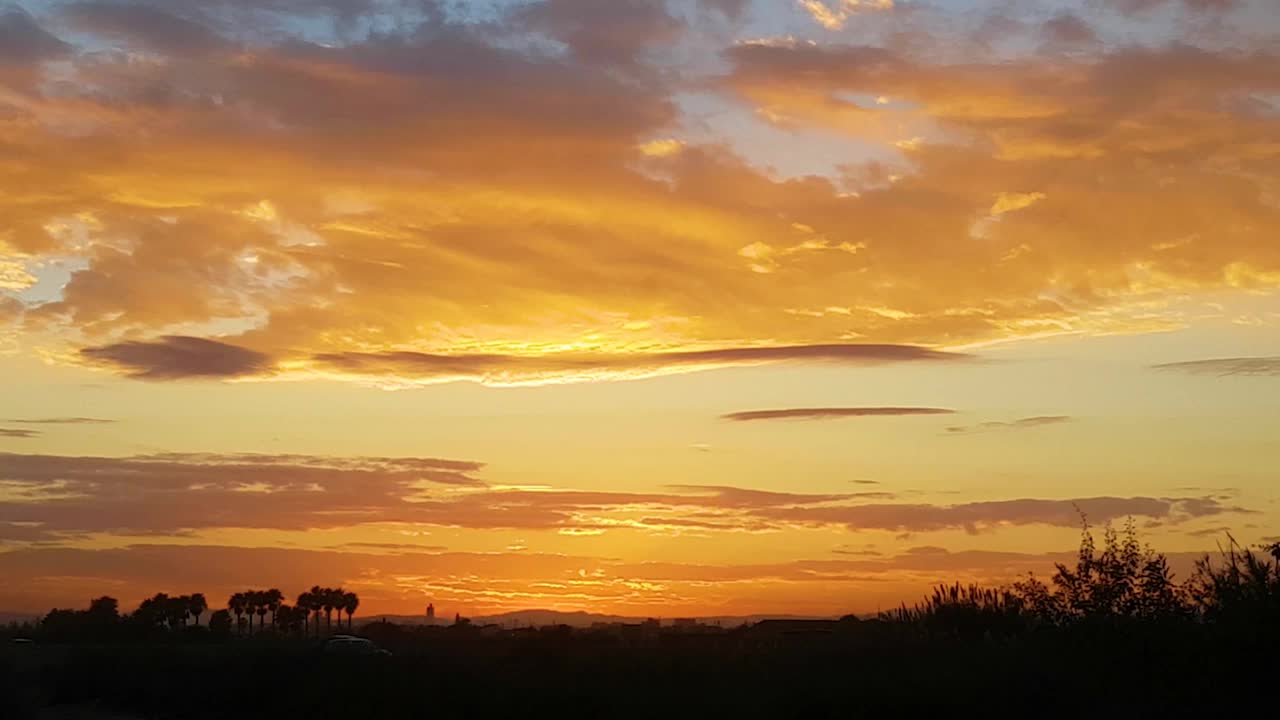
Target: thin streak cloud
[
  {"x": 1021, "y": 424},
  {"x": 832, "y": 413},
  {"x": 1224, "y": 367},
  {"x": 18, "y": 433},
  {"x": 60, "y": 421}
]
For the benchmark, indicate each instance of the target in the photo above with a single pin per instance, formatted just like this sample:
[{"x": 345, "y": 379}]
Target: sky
[{"x": 647, "y": 307}]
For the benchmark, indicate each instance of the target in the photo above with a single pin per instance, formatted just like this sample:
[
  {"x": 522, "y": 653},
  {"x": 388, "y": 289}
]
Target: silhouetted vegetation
[
  {"x": 1113, "y": 633},
  {"x": 1124, "y": 584}
]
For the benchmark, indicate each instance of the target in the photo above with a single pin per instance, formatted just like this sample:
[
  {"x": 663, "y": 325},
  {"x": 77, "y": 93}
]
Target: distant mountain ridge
[
  {"x": 528, "y": 618},
  {"x": 581, "y": 619}
]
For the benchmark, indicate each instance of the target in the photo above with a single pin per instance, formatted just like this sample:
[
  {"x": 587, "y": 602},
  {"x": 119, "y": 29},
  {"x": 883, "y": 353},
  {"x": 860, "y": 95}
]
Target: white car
[{"x": 351, "y": 645}]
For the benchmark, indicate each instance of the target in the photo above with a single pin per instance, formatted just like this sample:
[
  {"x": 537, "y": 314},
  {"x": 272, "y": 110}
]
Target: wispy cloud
[
  {"x": 1246, "y": 366},
  {"x": 1021, "y": 424},
  {"x": 516, "y": 369},
  {"x": 833, "y": 413},
  {"x": 18, "y": 433},
  {"x": 60, "y": 421}
]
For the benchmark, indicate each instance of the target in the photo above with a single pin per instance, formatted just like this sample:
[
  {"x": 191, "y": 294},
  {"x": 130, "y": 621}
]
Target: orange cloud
[{"x": 373, "y": 205}]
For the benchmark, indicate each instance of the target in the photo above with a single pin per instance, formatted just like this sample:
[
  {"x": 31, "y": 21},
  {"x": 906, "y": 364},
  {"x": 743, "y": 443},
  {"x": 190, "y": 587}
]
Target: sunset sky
[{"x": 648, "y": 307}]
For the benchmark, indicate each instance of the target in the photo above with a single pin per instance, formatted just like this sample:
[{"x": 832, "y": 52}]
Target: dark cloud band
[
  {"x": 176, "y": 357},
  {"x": 833, "y": 413}
]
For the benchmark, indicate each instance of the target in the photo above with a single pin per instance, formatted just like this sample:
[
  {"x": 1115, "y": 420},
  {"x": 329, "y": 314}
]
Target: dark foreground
[
  {"x": 874, "y": 671},
  {"x": 1115, "y": 636}
]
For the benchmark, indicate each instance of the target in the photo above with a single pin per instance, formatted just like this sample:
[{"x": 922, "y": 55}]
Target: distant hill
[{"x": 540, "y": 618}]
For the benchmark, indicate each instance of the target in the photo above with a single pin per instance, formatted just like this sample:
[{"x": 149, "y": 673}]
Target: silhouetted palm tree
[
  {"x": 196, "y": 605},
  {"x": 317, "y": 604},
  {"x": 261, "y": 606},
  {"x": 252, "y": 599},
  {"x": 330, "y": 600},
  {"x": 290, "y": 620},
  {"x": 305, "y": 603},
  {"x": 237, "y": 605},
  {"x": 175, "y": 610},
  {"x": 350, "y": 601},
  {"x": 271, "y": 600}
]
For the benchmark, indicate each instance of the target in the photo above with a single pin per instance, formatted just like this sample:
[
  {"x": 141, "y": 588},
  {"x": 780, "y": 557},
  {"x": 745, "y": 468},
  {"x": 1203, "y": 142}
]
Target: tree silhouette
[
  {"x": 261, "y": 604},
  {"x": 292, "y": 620},
  {"x": 330, "y": 600},
  {"x": 1241, "y": 590},
  {"x": 317, "y": 604},
  {"x": 237, "y": 604},
  {"x": 271, "y": 600},
  {"x": 350, "y": 601},
  {"x": 179, "y": 610},
  {"x": 305, "y": 603},
  {"x": 101, "y": 620},
  {"x": 105, "y": 608},
  {"x": 220, "y": 622},
  {"x": 196, "y": 605},
  {"x": 152, "y": 611}
]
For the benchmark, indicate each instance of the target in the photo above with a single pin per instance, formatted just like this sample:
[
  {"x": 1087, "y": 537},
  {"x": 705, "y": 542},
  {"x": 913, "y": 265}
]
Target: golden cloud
[{"x": 351, "y": 209}]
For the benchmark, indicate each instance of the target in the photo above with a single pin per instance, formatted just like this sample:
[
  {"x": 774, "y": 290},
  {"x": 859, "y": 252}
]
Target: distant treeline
[{"x": 163, "y": 614}]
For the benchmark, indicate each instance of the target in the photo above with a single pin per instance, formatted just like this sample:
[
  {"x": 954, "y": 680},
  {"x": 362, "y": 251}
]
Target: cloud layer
[
  {"x": 171, "y": 358},
  {"x": 52, "y": 498},
  {"x": 416, "y": 189}
]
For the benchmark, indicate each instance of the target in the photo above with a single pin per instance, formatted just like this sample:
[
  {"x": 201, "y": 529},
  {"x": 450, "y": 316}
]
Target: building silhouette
[{"x": 431, "y": 614}]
